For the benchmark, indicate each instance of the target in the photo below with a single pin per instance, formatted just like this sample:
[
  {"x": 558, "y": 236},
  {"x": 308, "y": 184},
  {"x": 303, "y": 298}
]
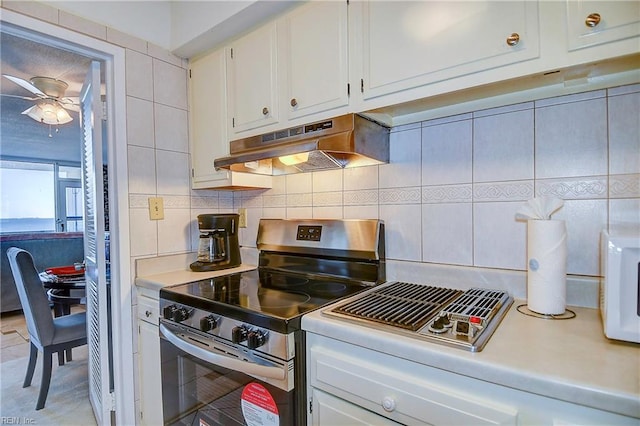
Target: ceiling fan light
[{"x": 48, "y": 113}]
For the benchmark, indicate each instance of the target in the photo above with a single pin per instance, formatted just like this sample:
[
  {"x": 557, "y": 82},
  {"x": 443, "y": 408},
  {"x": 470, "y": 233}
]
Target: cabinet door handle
[
  {"x": 592, "y": 20},
  {"x": 513, "y": 39},
  {"x": 293, "y": 102},
  {"x": 265, "y": 111}
]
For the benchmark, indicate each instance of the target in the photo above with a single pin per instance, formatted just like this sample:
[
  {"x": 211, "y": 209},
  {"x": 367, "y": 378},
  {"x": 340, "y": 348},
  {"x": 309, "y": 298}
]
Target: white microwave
[{"x": 620, "y": 284}]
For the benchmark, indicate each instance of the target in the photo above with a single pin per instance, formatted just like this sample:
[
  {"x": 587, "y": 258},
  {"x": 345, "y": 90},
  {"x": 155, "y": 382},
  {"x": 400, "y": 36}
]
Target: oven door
[{"x": 207, "y": 381}]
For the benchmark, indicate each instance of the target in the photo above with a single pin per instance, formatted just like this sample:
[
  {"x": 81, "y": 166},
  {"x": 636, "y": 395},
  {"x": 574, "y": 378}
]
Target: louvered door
[{"x": 94, "y": 247}]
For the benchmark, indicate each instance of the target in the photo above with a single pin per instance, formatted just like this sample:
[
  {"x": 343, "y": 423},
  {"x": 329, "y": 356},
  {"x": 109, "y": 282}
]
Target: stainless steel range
[
  {"x": 232, "y": 347},
  {"x": 463, "y": 319}
]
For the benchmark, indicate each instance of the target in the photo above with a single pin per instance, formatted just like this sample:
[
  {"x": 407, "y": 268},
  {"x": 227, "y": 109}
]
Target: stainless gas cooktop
[{"x": 463, "y": 319}]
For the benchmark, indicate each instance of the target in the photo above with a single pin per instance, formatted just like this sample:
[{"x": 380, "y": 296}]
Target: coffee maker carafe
[{"x": 218, "y": 246}]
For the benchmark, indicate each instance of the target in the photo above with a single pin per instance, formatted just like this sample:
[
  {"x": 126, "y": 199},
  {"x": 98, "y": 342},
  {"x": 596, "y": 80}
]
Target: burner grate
[
  {"x": 401, "y": 304},
  {"x": 476, "y": 302}
]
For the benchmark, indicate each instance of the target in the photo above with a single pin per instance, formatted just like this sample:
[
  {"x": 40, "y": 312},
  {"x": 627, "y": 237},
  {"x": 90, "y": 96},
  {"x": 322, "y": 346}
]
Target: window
[{"x": 37, "y": 197}]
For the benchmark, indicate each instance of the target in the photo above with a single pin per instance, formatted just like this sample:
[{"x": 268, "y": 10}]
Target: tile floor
[{"x": 14, "y": 341}]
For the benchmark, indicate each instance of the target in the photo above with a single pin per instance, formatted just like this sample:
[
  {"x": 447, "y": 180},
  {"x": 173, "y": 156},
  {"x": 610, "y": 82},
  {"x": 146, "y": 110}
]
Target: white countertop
[
  {"x": 570, "y": 360},
  {"x": 181, "y": 276}
]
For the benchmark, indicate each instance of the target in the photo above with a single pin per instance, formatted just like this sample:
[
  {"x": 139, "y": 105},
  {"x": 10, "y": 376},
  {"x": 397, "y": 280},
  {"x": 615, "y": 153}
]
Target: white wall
[
  {"x": 147, "y": 20},
  {"x": 185, "y": 28}
]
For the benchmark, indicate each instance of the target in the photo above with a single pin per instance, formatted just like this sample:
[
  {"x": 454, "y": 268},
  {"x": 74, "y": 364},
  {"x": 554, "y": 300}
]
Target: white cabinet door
[
  {"x": 316, "y": 50},
  {"x": 411, "y": 44},
  {"x": 150, "y": 377},
  {"x": 329, "y": 410},
  {"x": 207, "y": 114},
  {"x": 592, "y": 23},
  {"x": 252, "y": 80},
  {"x": 208, "y": 126}
]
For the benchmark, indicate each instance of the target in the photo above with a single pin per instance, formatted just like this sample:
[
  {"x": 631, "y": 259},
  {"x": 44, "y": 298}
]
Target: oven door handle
[{"x": 221, "y": 360}]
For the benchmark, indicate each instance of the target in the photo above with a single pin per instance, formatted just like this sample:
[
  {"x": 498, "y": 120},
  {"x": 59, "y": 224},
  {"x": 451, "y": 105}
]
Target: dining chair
[{"x": 46, "y": 333}]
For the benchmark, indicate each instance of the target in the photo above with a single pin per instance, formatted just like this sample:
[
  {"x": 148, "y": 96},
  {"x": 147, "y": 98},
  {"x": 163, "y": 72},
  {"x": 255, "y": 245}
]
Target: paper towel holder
[{"x": 567, "y": 314}]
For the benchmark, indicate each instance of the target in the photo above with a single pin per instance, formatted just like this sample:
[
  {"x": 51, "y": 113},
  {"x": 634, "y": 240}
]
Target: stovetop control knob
[
  {"x": 168, "y": 311},
  {"x": 256, "y": 338},
  {"x": 239, "y": 334},
  {"x": 181, "y": 314},
  {"x": 208, "y": 323}
]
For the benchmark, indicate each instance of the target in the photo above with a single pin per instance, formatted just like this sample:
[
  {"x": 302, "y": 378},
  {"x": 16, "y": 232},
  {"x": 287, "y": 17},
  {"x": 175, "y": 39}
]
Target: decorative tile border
[
  {"x": 327, "y": 198},
  {"x": 624, "y": 186},
  {"x": 225, "y": 202},
  {"x": 447, "y": 194},
  {"x": 365, "y": 197},
  {"x": 573, "y": 188},
  {"x": 503, "y": 191},
  {"x": 400, "y": 196},
  {"x": 252, "y": 201},
  {"x": 300, "y": 200},
  {"x": 198, "y": 202},
  {"x": 274, "y": 200},
  {"x": 176, "y": 201},
  {"x": 139, "y": 201}
]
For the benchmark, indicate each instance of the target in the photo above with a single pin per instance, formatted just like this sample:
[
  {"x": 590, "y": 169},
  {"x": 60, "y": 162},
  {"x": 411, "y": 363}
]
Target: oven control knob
[
  {"x": 239, "y": 334},
  {"x": 256, "y": 338},
  {"x": 208, "y": 323},
  {"x": 168, "y": 311},
  {"x": 181, "y": 314}
]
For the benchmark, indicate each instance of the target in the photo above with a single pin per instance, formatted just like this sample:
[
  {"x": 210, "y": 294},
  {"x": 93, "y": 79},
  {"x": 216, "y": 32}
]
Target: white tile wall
[{"x": 450, "y": 194}]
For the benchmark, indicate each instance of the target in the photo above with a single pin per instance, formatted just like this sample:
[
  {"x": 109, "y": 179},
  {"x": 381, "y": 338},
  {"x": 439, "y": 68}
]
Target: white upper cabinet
[
  {"x": 208, "y": 126},
  {"x": 315, "y": 47},
  {"x": 252, "y": 74},
  {"x": 207, "y": 113},
  {"x": 592, "y": 23},
  {"x": 410, "y": 44}
]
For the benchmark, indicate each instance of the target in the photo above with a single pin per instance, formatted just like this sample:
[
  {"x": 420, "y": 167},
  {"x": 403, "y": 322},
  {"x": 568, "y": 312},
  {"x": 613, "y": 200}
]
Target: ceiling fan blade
[
  {"x": 20, "y": 97},
  {"x": 26, "y": 85},
  {"x": 74, "y": 100},
  {"x": 28, "y": 110},
  {"x": 71, "y": 107}
]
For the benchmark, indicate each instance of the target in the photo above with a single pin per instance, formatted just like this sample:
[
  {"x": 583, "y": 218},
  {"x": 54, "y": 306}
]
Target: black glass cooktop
[{"x": 261, "y": 296}]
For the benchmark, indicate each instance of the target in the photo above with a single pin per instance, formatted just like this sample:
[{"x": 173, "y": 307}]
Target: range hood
[{"x": 346, "y": 141}]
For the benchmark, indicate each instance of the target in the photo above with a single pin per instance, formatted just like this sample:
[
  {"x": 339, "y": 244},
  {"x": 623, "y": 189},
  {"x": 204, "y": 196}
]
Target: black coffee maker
[{"x": 218, "y": 247}]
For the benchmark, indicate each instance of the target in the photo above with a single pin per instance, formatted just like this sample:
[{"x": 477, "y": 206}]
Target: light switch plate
[
  {"x": 242, "y": 222},
  {"x": 156, "y": 208}
]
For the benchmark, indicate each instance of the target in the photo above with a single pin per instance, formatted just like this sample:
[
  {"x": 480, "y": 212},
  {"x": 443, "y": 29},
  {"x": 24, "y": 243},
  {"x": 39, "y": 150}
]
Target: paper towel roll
[{"x": 547, "y": 266}]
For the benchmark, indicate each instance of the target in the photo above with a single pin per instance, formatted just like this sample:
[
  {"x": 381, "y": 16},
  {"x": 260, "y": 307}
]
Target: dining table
[{"x": 65, "y": 287}]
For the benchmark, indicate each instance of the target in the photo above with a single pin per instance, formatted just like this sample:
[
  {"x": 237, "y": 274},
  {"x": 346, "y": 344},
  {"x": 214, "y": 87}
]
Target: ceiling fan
[{"x": 52, "y": 104}]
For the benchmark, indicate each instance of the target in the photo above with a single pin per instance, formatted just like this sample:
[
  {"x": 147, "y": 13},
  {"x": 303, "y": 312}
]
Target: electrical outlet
[
  {"x": 156, "y": 208},
  {"x": 242, "y": 222}
]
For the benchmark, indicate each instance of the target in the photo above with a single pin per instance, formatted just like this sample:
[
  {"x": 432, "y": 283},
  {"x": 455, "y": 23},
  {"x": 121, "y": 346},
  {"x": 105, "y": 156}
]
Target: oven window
[{"x": 197, "y": 393}]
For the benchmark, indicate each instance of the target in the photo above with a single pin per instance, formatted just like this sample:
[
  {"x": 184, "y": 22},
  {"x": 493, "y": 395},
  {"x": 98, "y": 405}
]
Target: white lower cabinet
[
  {"x": 329, "y": 410},
  {"x": 149, "y": 361},
  {"x": 352, "y": 385}
]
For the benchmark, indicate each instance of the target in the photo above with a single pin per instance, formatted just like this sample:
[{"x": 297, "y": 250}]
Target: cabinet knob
[
  {"x": 592, "y": 20},
  {"x": 147, "y": 313},
  {"x": 513, "y": 39},
  {"x": 294, "y": 102},
  {"x": 265, "y": 111},
  {"x": 388, "y": 403}
]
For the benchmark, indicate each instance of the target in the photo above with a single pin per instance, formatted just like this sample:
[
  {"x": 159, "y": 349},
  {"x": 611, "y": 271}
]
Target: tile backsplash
[
  {"x": 453, "y": 186},
  {"x": 451, "y": 190}
]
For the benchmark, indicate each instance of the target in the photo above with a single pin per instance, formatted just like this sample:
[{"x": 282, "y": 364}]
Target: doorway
[{"x": 113, "y": 59}]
